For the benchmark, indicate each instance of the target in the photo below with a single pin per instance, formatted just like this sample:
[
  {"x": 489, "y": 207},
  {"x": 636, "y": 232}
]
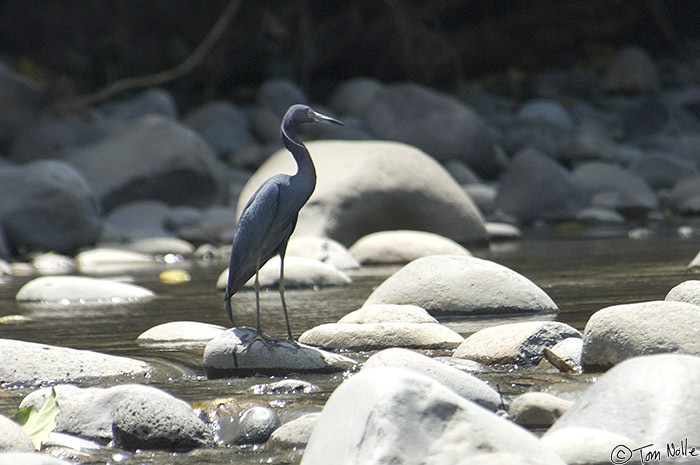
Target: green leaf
[{"x": 39, "y": 422}]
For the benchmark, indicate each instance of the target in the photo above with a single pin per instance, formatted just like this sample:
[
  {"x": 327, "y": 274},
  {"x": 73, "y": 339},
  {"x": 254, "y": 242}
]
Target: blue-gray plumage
[{"x": 270, "y": 216}]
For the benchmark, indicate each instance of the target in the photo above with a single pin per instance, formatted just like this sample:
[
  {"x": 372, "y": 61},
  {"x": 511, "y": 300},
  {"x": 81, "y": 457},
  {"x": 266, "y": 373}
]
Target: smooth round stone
[
  {"x": 546, "y": 112},
  {"x": 515, "y": 343},
  {"x": 324, "y": 250},
  {"x": 295, "y": 433},
  {"x": 437, "y": 283},
  {"x": 13, "y": 438},
  {"x": 53, "y": 263},
  {"x": 353, "y": 96},
  {"x": 619, "y": 332},
  {"x": 29, "y": 458},
  {"x": 569, "y": 350},
  {"x": 223, "y": 125},
  {"x": 464, "y": 384},
  {"x": 153, "y": 101},
  {"x": 502, "y": 231},
  {"x": 600, "y": 215},
  {"x": 588, "y": 446},
  {"x": 226, "y": 355},
  {"x": 135, "y": 220},
  {"x": 403, "y": 247},
  {"x": 483, "y": 195},
  {"x": 81, "y": 290},
  {"x": 252, "y": 426},
  {"x": 299, "y": 272},
  {"x": 162, "y": 246},
  {"x": 286, "y": 386},
  {"x": 180, "y": 333},
  {"x": 632, "y": 71},
  {"x": 537, "y": 409},
  {"x": 386, "y": 313},
  {"x": 685, "y": 195},
  {"x": 105, "y": 260},
  {"x": 381, "y": 336},
  {"x": 687, "y": 291}
]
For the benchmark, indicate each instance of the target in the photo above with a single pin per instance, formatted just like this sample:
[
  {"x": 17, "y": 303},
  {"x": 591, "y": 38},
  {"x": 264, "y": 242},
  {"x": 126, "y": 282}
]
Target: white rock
[
  {"x": 381, "y": 336},
  {"x": 403, "y": 247},
  {"x": 180, "y": 333},
  {"x": 81, "y": 290},
  {"x": 29, "y": 458},
  {"x": 589, "y": 446},
  {"x": 162, "y": 246},
  {"x": 324, "y": 250},
  {"x": 537, "y": 409},
  {"x": 107, "y": 260},
  {"x": 295, "y": 433},
  {"x": 386, "y": 313},
  {"x": 687, "y": 291}
]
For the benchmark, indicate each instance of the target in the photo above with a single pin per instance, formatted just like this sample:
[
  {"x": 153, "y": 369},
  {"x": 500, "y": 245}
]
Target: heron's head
[{"x": 298, "y": 114}]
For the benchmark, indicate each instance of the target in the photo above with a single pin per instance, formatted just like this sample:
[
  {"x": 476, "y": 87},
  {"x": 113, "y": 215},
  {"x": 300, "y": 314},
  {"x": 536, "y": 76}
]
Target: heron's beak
[{"x": 320, "y": 118}]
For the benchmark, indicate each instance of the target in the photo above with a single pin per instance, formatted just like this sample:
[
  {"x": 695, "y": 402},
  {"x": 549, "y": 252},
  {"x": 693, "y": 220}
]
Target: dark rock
[
  {"x": 223, "y": 125},
  {"x": 252, "y": 426},
  {"x": 277, "y": 95},
  {"x": 149, "y": 102},
  {"x": 632, "y": 71},
  {"x": 22, "y": 100}
]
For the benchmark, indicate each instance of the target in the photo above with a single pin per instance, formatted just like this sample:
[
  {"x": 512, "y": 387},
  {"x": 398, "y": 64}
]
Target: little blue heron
[{"x": 271, "y": 214}]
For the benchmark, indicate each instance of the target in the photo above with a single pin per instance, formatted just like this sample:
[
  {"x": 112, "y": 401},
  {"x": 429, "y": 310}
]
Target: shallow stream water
[{"x": 581, "y": 274}]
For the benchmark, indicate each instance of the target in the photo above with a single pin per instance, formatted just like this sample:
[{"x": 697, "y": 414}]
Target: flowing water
[{"x": 581, "y": 274}]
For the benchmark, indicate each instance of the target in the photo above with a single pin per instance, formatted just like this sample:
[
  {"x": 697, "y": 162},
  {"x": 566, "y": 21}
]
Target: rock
[
  {"x": 615, "y": 187},
  {"x": 53, "y": 263},
  {"x": 483, "y": 195},
  {"x": 684, "y": 198},
  {"x": 13, "y": 438},
  {"x": 252, "y": 426},
  {"x": 68, "y": 441},
  {"x": 47, "y": 205},
  {"x": 30, "y": 363},
  {"x": 153, "y": 419},
  {"x": 369, "y": 186},
  {"x": 180, "y": 334},
  {"x": 299, "y": 272},
  {"x": 502, "y": 231},
  {"x": 295, "y": 433},
  {"x": 286, "y": 386},
  {"x": 594, "y": 215},
  {"x": 644, "y": 117},
  {"x": 515, "y": 343},
  {"x": 464, "y": 384},
  {"x": 436, "y": 283},
  {"x": 662, "y": 171},
  {"x": 616, "y": 333},
  {"x": 386, "y": 313},
  {"x": 536, "y": 187},
  {"x": 647, "y": 399},
  {"x": 632, "y": 71},
  {"x": 372, "y": 336},
  {"x": 687, "y": 291},
  {"x": 594, "y": 145},
  {"x": 589, "y": 446},
  {"x": 134, "y": 221},
  {"x": 81, "y": 290},
  {"x": 223, "y": 125},
  {"x": 22, "y": 100},
  {"x": 402, "y": 247},
  {"x": 29, "y": 458},
  {"x": 215, "y": 224},
  {"x": 103, "y": 260},
  {"x": 569, "y": 350},
  {"x": 277, "y": 95},
  {"x": 548, "y": 113},
  {"x": 389, "y": 415},
  {"x": 451, "y": 130},
  {"x": 537, "y": 409},
  {"x": 695, "y": 262},
  {"x": 152, "y": 101},
  {"x": 324, "y": 250},
  {"x": 461, "y": 172},
  {"x": 226, "y": 355},
  {"x": 353, "y": 96},
  {"x": 160, "y": 246},
  {"x": 152, "y": 158}
]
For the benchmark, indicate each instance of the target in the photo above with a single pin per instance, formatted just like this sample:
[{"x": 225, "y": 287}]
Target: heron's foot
[
  {"x": 266, "y": 340},
  {"x": 291, "y": 341}
]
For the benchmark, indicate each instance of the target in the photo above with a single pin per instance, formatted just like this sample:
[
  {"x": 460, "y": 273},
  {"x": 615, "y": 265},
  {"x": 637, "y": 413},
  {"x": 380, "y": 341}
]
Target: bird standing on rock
[{"x": 270, "y": 216}]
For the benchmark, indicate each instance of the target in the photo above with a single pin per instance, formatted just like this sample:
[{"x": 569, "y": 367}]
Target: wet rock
[
  {"x": 370, "y": 186},
  {"x": 386, "y": 313},
  {"x": 295, "y": 433},
  {"x": 464, "y": 384},
  {"x": 81, "y": 290},
  {"x": 353, "y": 96},
  {"x": 453, "y": 130},
  {"x": 153, "y": 419},
  {"x": 388, "y": 415},
  {"x": 252, "y": 426},
  {"x": 179, "y": 334},
  {"x": 546, "y": 112},
  {"x": 515, "y": 343},
  {"x": 30, "y": 363},
  {"x": 29, "y": 458},
  {"x": 371, "y": 336},
  {"x": 47, "y": 205},
  {"x": 502, "y": 231},
  {"x": 223, "y": 125},
  {"x": 616, "y": 333},
  {"x": 299, "y": 272},
  {"x": 684, "y": 198},
  {"x": 22, "y": 100},
  {"x": 152, "y": 158},
  {"x": 402, "y": 247},
  {"x": 103, "y": 260},
  {"x": 286, "y": 386},
  {"x": 589, "y": 446},
  {"x": 536, "y": 187},
  {"x": 152, "y": 101},
  {"x": 160, "y": 246},
  {"x": 632, "y": 71},
  {"x": 569, "y": 350},
  {"x": 133, "y": 221},
  {"x": 13, "y": 438},
  {"x": 687, "y": 291},
  {"x": 277, "y": 95},
  {"x": 632, "y": 400},
  {"x": 615, "y": 187},
  {"x": 537, "y": 409},
  {"x": 324, "y": 250},
  {"x": 226, "y": 355},
  {"x": 436, "y": 283},
  {"x": 53, "y": 263}
]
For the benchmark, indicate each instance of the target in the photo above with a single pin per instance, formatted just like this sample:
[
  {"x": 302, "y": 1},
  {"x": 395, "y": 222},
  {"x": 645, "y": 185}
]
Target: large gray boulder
[
  {"x": 439, "y": 124},
  {"x": 152, "y": 158},
  {"x": 458, "y": 285},
  {"x": 391, "y": 415},
  {"x": 650, "y": 400},
  {"x": 369, "y": 186},
  {"x": 47, "y": 205},
  {"x": 536, "y": 187},
  {"x": 616, "y": 333},
  {"x": 13, "y": 438},
  {"x": 29, "y": 363}
]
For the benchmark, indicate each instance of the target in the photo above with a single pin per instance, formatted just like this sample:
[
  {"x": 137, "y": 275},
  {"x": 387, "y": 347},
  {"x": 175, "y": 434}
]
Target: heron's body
[{"x": 270, "y": 216}]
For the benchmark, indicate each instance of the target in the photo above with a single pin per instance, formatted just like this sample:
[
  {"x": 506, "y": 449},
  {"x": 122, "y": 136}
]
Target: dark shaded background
[{"x": 80, "y": 46}]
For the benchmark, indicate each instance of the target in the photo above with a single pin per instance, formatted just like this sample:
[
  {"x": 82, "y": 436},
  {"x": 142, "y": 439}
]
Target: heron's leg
[
  {"x": 259, "y": 336},
  {"x": 284, "y": 303}
]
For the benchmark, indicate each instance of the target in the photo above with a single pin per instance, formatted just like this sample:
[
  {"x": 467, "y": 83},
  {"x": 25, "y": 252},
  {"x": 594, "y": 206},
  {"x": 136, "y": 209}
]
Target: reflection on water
[{"x": 581, "y": 276}]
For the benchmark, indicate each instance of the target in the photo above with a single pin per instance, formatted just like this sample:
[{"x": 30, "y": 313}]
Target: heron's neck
[{"x": 305, "y": 166}]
